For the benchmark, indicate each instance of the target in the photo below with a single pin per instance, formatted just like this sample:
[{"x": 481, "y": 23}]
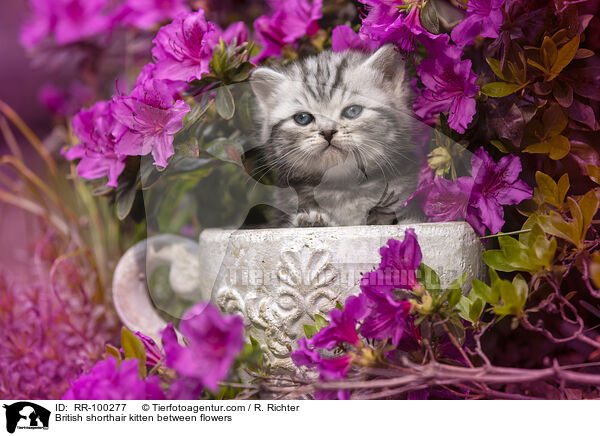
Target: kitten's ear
[
  {"x": 389, "y": 61},
  {"x": 263, "y": 81}
]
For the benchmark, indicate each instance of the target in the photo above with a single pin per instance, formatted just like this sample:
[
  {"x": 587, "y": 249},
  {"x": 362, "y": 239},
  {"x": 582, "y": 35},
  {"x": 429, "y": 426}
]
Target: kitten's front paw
[{"x": 311, "y": 219}]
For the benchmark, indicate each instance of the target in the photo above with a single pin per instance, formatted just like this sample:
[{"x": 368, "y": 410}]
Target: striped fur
[{"x": 369, "y": 168}]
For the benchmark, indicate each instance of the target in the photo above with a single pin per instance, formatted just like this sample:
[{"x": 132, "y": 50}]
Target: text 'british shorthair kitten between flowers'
[{"x": 339, "y": 129}]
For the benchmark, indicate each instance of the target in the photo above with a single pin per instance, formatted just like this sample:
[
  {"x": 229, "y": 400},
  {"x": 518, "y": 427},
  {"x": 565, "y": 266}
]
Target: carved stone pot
[{"x": 278, "y": 279}]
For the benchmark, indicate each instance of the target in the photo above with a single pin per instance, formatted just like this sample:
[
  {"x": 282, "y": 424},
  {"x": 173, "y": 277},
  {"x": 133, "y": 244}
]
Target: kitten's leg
[
  {"x": 312, "y": 218},
  {"x": 384, "y": 212}
]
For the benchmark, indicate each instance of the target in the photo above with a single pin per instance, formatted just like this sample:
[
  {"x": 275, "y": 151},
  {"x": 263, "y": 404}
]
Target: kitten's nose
[{"x": 328, "y": 134}]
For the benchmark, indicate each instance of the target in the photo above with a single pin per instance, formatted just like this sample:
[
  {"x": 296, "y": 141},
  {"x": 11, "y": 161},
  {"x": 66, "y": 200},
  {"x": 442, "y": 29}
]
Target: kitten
[{"x": 338, "y": 128}]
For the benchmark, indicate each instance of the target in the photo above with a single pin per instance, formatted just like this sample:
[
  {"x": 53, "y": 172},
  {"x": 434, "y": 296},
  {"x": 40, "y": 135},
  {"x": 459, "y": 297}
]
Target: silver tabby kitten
[{"x": 337, "y": 128}]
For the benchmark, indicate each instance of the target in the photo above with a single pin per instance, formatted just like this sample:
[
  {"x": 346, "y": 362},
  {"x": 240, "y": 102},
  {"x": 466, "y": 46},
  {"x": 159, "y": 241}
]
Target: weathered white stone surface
[{"x": 278, "y": 279}]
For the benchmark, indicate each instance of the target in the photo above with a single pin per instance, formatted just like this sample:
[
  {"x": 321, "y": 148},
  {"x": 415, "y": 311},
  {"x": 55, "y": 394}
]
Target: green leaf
[
  {"x": 459, "y": 282},
  {"x": 496, "y": 67},
  {"x": 565, "y": 55},
  {"x": 429, "y": 279},
  {"x": 554, "y": 224},
  {"x": 113, "y": 351},
  {"x": 500, "y": 89},
  {"x": 549, "y": 52},
  {"x": 476, "y": 310},
  {"x": 484, "y": 292},
  {"x": 133, "y": 348},
  {"x": 563, "y": 188},
  {"x": 454, "y": 297},
  {"x": 594, "y": 173},
  {"x": 310, "y": 330},
  {"x": 521, "y": 290},
  {"x": 589, "y": 207},
  {"x": 556, "y": 147},
  {"x": 320, "y": 322},
  {"x": 463, "y": 306},
  {"x": 124, "y": 201},
  {"x": 497, "y": 260},
  {"x": 548, "y": 189},
  {"x": 224, "y": 103},
  {"x": 500, "y": 145}
]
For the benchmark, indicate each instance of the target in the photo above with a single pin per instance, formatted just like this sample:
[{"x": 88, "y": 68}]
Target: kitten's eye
[
  {"x": 303, "y": 118},
  {"x": 352, "y": 112}
]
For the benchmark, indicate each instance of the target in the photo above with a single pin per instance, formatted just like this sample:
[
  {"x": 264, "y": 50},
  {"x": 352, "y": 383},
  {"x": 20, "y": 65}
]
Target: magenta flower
[
  {"x": 305, "y": 355},
  {"x": 450, "y": 201},
  {"x": 344, "y": 38},
  {"x": 99, "y": 158},
  {"x": 66, "y": 21},
  {"x": 214, "y": 341},
  {"x": 109, "y": 380},
  {"x": 145, "y": 14},
  {"x": 185, "y": 388},
  {"x": 386, "y": 23},
  {"x": 496, "y": 184},
  {"x": 342, "y": 327},
  {"x": 386, "y": 320},
  {"x": 379, "y": 21},
  {"x": 153, "y": 352},
  {"x": 291, "y": 20},
  {"x": 183, "y": 49},
  {"x": 479, "y": 198},
  {"x": 238, "y": 31},
  {"x": 449, "y": 86},
  {"x": 65, "y": 102},
  {"x": 401, "y": 259},
  {"x": 175, "y": 87},
  {"x": 148, "y": 120},
  {"x": 484, "y": 17},
  {"x": 335, "y": 368}
]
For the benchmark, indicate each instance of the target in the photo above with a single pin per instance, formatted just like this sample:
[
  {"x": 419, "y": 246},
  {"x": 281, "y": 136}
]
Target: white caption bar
[{"x": 299, "y": 417}]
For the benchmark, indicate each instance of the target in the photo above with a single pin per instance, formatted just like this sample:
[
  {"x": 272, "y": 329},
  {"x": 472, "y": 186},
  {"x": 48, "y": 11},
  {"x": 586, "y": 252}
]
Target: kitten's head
[{"x": 326, "y": 110}]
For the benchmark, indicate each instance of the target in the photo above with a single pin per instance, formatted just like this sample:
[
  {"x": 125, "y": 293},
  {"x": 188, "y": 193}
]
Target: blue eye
[
  {"x": 352, "y": 112},
  {"x": 303, "y": 118}
]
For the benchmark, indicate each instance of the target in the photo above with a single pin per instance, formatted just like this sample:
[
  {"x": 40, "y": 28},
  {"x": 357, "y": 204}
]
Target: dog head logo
[{"x": 26, "y": 415}]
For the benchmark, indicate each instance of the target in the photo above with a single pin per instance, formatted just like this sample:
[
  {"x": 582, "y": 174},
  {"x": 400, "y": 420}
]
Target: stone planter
[{"x": 278, "y": 279}]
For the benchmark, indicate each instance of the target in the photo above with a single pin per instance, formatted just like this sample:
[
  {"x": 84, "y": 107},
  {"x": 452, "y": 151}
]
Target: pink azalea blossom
[
  {"x": 342, "y": 327},
  {"x": 65, "y": 102},
  {"x": 291, "y": 20},
  {"x": 97, "y": 151},
  {"x": 478, "y": 199},
  {"x": 450, "y": 201},
  {"x": 153, "y": 352},
  {"x": 305, "y": 355},
  {"x": 344, "y": 38},
  {"x": 148, "y": 120},
  {"x": 110, "y": 380},
  {"x": 214, "y": 341},
  {"x": 66, "y": 21},
  {"x": 484, "y": 17},
  {"x": 145, "y": 14},
  {"x": 183, "y": 49},
  {"x": 449, "y": 86},
  {"x": 386, "y": 23},
  {"x": 335, "y": 368},
  {"x": 495, "y": 185},
  {"x": 386, "y": 320},
  {"x": 238, "y": 31}
]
